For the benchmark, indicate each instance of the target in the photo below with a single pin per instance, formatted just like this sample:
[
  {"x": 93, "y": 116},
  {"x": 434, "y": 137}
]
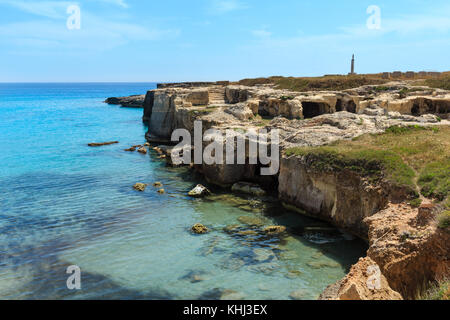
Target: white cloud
[
  {"x": 52, "y": 9},
  {"x": 261, "y": 33},
  {"x": 436, "y": 21},
  {"x": 120, "y": 3},
  {"x": 51, "y": 35},
  {"x": 49, "y": 9},
  {"x": 225, "y": 6}
]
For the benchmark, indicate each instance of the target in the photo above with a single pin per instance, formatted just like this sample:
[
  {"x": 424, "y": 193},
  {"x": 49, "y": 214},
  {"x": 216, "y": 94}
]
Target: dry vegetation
[
  {"x": 327, "y": 83},
  {"x": 342, "y": 82}
]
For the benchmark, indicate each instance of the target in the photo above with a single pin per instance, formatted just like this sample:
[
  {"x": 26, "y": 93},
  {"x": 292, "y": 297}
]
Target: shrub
[
  {"x": 444, "y": 220},
  {"x": 416, "y": 202}
]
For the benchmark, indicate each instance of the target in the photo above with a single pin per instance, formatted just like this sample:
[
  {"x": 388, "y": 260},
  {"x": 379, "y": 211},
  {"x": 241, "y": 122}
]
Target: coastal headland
[{"x": 369, "y": 155}]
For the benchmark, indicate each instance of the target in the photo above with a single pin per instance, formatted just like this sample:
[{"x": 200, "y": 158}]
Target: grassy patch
[
  {"x": 441, "y": 83},
  {"x": 444, "y": 219},
  {"x": 416, "y": 202},
  {"x": 401, "y": 155},
  {"x": 201, "y": 112},
  {"x": 434, "y": 180},
  {"x": 381, "y": 88},
  {"x": 316, "y": 84},
  {"x": 285, "y": 98}
]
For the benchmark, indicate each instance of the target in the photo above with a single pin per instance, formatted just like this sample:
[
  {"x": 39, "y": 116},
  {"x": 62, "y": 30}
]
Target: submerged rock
[
  {"x": 249, "y": 188},
  {"x": 158, "y": 184},
  {"x": 247, "y": 233},
  {"x": 293, "y": 274},
  {"x": 99, "y": 144},
  {"x": 199, "y": 229},
  {"x": 140, "y": 187},
  {"x": 199, "y": 191},
  {"x": 263, "y": 254},
  {"x": 272, "y": 230},
  {"x": 195, "y": 277},
  {"x": 251, "y": 221},
  {"x": 161, "y": 191},
  {"x": 322, "y": 264},
  {"x": 132, "y": 149},
  {"x": 298, "y": 294},
  {"x": 231, "y": 228},
  {"x": 231, "y": 295}
]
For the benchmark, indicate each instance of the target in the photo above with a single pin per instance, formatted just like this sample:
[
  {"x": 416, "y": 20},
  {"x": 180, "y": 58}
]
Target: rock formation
[
  {"x": 405, "y": 245},
  {"x": 136, "y": 101}
]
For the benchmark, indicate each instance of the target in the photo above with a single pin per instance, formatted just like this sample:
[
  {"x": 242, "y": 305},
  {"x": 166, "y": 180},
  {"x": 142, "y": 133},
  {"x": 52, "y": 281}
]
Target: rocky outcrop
[
  {"x": 135, "y": 101},
  {"x": 409, "y": 247},
  {"x": 363, "y": 282},
  {"x": 101, "y": 144}
]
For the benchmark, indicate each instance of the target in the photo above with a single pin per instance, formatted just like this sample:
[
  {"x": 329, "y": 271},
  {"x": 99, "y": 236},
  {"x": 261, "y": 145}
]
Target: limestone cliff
[{"x": 343, "y": 198}]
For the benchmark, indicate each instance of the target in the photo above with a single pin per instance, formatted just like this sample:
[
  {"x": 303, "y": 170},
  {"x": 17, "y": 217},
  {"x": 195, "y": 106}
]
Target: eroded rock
[
  {"x": 274, "y": 230},
  {"x": 142, "y": 150},
  {"x": 100, "y": 144},
  {"x": 140, "y": 187},
  {"x": 199, "y": 229}
]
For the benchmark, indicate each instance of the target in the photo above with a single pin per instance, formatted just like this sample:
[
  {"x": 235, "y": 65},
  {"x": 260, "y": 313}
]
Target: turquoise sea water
[{"x": 63, "y": 203}]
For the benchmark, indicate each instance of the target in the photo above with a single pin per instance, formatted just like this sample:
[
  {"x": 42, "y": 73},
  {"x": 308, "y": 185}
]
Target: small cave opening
[
  {"x": 339, "y": 106},
  {"x": 314, "y": 109},
  {"x": 423, "y": 106},
  {"x": 346, "y": 105},
  {"x": 415, "y": 110},
  {"x": 351, "y": 106}
]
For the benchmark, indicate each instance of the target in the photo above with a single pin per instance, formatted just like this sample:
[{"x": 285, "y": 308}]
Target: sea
[{"x": 73, "y": 227}]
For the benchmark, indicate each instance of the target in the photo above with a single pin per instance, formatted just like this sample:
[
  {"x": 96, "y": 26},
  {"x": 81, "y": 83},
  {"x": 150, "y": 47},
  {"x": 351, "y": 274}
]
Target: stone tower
[{"x": 353, "y": 65}]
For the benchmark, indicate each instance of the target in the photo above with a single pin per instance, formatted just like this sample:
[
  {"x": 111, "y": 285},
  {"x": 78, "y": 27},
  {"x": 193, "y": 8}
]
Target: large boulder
[{"x": 199, "y": 191}]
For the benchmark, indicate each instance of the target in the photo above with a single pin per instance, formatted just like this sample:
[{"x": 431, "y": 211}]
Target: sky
[{"x": 209, "y": 40}]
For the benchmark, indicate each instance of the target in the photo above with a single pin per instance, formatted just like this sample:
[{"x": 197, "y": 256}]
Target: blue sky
[{"x": 197, "y": 40}]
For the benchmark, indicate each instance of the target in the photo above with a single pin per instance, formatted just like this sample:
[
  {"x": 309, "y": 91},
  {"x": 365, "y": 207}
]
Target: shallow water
[{"x": 63, "y": 203}]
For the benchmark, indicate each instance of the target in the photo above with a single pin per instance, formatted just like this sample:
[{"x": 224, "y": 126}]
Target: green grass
[
  {"x": 201, "y": 112},
  {"x": 434, "y": 180},
  {"x": 381, "y": 88},
  {"x": 414, "y": 157},
  {"x": 369, "y": 163},
  {"x": 415, "y": 203},
  {"x": 438, "y": 291},
  {"x": 444, "y": 219}
]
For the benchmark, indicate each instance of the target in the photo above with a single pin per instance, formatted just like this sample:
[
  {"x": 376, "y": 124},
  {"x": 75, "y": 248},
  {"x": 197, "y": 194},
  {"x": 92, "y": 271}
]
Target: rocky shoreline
[{"x": 406, "y": 244}]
